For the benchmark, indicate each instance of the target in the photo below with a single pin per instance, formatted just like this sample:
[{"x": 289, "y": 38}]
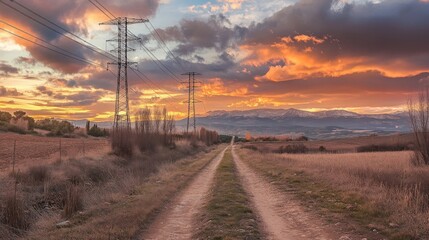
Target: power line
[
  {"x": 163, "y": 42},
  {"x": 46, "y": 42},
  {"x": 91, "y": 47},
  {"x": 105, "y": 8},
  {"x": 40, "y": 45},
  {"x": 161, "y": 65}
]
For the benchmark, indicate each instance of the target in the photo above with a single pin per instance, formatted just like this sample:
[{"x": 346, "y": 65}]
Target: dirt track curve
[
  {"x": 281, "y": 216},
  {"x": 177, "y": 220}
]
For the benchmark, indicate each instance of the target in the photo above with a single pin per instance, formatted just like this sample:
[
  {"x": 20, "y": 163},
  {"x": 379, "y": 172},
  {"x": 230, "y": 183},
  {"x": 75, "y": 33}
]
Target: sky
[{"x": 357, "y": 55}]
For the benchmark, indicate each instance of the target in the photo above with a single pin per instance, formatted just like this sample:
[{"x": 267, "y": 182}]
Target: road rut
[
  {"x": 177, "y": 221},
  {"x": 281, "y": 216}
]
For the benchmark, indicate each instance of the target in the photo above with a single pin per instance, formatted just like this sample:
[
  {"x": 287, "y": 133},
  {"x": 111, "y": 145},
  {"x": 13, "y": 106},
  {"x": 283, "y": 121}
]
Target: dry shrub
[
  {"x": 208, "y": 137},
  {"x": 122, "y": 141},
  {"x": 293, "y": 149},
  {"x": 39, "y": 174},
  {"x": 72, "y": 201},
  {"x": 14, "y": 214},
  {"x": 97, "y": 174},
  {"x": 251, "y": 147},
  {"x": 384, "y": 148},
  {"x": 154, "y": 129},
  {"x": 419, "y": 117}
]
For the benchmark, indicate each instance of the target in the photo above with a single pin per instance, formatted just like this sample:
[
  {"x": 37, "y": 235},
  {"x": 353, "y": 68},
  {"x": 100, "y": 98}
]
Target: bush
[
  {"x": 251, "y": 147},
  {"x": 16, "y": 129},
  {"x": 39, "y": 174},
  {"x": 293, "y": 149},
  {"x": 302, "y": 139},
  {"x": 57, "y": 128},
  {"x": 95, "y": 131},
  {"x": 97, "y": 175},
  {"x": 322, "y": 149},
  {"x": 383, "y": 148}
]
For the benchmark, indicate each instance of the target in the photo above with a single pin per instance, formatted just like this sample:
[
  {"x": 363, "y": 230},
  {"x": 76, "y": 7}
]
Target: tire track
[
  {"x": 177, "y": 219},
  {"x": 281, "y": 216}
]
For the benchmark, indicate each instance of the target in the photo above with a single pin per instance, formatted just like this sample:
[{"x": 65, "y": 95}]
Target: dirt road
[
  {"x": 281, "y": 216},
  {"x": 177, "y": 221}
]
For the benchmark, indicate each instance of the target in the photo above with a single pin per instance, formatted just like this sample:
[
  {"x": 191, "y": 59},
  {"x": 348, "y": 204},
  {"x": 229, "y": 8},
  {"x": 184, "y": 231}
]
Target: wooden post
[
  {"x": 14, "y": 157},
  {"x": 60, "y": 151}
]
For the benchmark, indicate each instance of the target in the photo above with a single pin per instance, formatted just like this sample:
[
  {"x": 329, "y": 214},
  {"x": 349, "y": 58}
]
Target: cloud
[
  {"x": 196, "y": 34},
  {"x": 73, "y": 16},
  {"x": 44, "y": 90},
  {"x": 59, "y": 82},
  {"x": 26, "y": 60},
  {"x": 7, "y": 69},
  {"x": 388, "y": 36},
  {"x": 68, "y": 99},
  {"x": 9, "y": 92}
]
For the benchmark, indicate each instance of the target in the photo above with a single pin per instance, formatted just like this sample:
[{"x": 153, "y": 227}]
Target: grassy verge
[
  {"x": 333, "y": 204},
  {"x": 228, "y": 214},
  {"x": 126, "y": 216}
]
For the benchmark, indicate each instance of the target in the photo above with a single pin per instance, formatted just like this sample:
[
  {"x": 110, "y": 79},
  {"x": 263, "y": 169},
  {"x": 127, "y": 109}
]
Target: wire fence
[{"x": 36, "y": 151}]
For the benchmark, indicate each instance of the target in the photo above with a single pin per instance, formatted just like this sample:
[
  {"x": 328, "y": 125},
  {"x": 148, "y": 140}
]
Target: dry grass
[
  {"x": 115, "y": 198},
  {"x": 96, "y": 193},
  {"x": 340, "y": 145},
  {"x": 228, "y": 214},
  {"x": 381, "y": 189},
  {"x": 36, "y": 150}
]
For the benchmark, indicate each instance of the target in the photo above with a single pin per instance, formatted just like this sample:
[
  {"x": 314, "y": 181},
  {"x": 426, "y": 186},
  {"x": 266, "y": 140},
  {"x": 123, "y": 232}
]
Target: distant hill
[{"x": 316, "y": 125}]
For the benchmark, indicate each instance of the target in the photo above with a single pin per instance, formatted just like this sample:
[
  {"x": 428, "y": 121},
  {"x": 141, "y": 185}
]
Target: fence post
[
  {"x": 14, "y": 157},
  {"x": 60, "y": 151}
]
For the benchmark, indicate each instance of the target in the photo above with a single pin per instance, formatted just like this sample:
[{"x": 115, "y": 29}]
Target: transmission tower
[
  {"x": 122, "y": 116},
  {"x": 191, "y": 100}
]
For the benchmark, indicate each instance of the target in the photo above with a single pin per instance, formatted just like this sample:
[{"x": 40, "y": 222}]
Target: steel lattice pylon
[
  {"x": 191, "y": 101},
  {"x": 122, "y": 108}
]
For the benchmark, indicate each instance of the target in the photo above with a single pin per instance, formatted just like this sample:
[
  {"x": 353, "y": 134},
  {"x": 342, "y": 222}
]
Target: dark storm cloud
[
  {"x": 100, "y": 80},
  {"x": 9, "y": 92},
  {"x": 70, "y": 16},
  {"x": 357, "y": 83},
  {"x": 391, "y": 28},
  {"x": 195, "y": 34}
]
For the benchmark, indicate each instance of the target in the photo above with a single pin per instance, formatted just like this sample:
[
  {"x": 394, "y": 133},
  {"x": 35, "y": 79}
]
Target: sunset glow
[{"x": 362, "y": 56}]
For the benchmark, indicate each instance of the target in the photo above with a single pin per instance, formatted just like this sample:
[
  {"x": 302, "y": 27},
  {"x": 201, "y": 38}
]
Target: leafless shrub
[
  {"x": 419, "y": 117},
  {"x": 208, "y": 137},
  {"x": 154, "y": 129},
  {"x": 121, "y": 140},
  {"x": 383, "y": 148}
]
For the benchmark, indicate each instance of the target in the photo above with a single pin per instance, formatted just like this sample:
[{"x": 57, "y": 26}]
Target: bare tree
[{"x": 419, "y": 117}]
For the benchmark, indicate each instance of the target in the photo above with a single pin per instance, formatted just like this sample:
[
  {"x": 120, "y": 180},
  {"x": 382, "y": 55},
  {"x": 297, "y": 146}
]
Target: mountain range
[{"x": 291, "y": 122}]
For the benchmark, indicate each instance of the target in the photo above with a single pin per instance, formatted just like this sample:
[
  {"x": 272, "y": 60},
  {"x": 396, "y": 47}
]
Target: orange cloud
[
  {"x": 306, "y": 38},
  {"x": 286, "y": 61},
  {"x": 216, "y": 87}
]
